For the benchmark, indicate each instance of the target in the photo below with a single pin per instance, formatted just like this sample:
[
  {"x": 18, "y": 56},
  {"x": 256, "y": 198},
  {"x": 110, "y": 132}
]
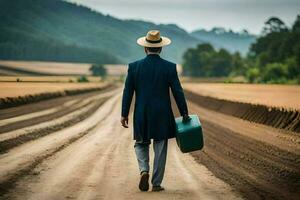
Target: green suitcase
[{"x": 189, "y": 136}]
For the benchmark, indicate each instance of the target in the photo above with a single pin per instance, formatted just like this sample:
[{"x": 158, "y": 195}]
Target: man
[{"x": 150, "y": 80}]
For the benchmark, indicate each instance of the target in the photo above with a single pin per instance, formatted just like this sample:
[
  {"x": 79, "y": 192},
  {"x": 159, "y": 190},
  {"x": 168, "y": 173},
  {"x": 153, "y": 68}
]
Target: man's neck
[{"x": 150, "y": 53}]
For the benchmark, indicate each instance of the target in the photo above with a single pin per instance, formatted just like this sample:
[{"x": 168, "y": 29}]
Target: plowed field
[{"x": 73, "y": 147}]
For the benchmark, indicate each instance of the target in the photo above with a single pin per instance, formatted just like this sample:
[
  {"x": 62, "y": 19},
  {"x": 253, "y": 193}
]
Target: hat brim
[{"x": 143, "y": 42}]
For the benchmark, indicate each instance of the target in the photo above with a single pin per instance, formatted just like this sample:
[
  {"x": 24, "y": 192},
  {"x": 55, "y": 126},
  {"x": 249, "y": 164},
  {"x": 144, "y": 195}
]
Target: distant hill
[
  {"x": 58, "y": 30},
  {"x": 55, "y": 30},
  {"x": 220, "y": 38}
]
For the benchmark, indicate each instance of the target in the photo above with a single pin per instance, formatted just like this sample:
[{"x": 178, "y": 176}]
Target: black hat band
[{"x": 155, "y": 41}]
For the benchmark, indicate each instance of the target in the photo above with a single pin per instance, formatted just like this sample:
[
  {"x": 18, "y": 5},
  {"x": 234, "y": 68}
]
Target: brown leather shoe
[
  {"x": 144, "y": 181},
  {"x": 157, "y": 188}
]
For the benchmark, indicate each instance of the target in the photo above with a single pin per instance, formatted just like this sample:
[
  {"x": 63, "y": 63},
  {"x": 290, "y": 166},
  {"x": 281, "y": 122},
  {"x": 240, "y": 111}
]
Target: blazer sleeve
[
  {"x": 177, "y": 91},
  {"x": 127, "y": 92}
]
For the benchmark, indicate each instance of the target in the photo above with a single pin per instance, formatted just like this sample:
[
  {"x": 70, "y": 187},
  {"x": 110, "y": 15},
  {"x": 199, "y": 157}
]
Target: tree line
[
  {"x": 19, "y": 46},
  {"x": 273, "y": 58},
  {"x": 63, "y": 31}
]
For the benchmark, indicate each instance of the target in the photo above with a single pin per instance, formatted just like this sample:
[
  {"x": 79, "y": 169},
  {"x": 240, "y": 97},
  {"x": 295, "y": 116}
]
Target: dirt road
[
  {"x": 94, "y": 157},
  {"x": 99, "y": 164}
]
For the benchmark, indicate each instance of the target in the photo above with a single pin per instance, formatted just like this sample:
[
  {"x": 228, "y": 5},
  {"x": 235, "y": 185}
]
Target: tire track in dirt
[
  {"x": 17, "y": 137},
  {"x": 64, "y": 110},
  {"x": 80, "y": 167},
  {"x": 16, "y": 111},
  {"x": 18, "y": 117},
  {"x": 8, "y": 184},
  {"x": 37, "y": 133},
  {"x": 102, "y": 165},
  {"x": 256, "y": 168},
  {"x": 20, "y": 161},
  {"x": 36, "y": 114}
]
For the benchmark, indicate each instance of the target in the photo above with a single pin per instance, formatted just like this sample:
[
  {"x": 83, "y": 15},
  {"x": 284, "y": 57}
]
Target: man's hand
[
  {"x": 186, "y": 118},
  {"x": 124, "y": 122}
]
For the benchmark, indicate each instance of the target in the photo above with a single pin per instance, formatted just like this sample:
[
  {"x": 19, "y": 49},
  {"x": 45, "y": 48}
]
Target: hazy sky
[{"x": 195, "y": 14}]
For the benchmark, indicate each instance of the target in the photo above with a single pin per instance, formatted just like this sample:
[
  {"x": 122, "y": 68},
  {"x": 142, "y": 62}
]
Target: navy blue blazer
[{"x": 151, "y": 79}]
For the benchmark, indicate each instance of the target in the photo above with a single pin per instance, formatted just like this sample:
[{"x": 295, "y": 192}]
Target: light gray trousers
[{"x": 160, "y": 157}]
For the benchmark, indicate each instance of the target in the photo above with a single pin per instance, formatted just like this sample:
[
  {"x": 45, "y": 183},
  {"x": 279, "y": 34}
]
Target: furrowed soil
[
  {"x": 272, "y": 105},
  {"x": 94, "y": 158},
  {"x": 259, "y": 161},
  {"x": 16, "y": 89},
  {"x": 282, "y": 96}
]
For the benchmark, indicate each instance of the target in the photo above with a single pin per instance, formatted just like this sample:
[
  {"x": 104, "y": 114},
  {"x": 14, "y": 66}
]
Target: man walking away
[{"x": 150, "y": 79}]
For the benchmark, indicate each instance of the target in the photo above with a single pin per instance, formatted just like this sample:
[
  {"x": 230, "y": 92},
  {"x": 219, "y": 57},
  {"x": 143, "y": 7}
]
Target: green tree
[
  {"x": 274, "y": 24},
  {"x": 195, "y": 61},
  {"x": 239, "y": 65},
  {"x": 277, "y": 52},
  {"x": 221, "y": 63},
  {"x": 273, "y": 58},
  {"x": 296, "y": 26},
  {"x": 275, "y": 73},
  {"x": 253, "y": 75},
  {"x": 293, "y": 68},
  {"x": 98, "y": 70},
  {"x": 82, "y": 79},
  {"x": 205, "y": 61}
]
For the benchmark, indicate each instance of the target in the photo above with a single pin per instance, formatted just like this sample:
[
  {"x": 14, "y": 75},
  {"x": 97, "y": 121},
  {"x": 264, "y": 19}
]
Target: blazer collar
[{"x": 153, "y": 56}]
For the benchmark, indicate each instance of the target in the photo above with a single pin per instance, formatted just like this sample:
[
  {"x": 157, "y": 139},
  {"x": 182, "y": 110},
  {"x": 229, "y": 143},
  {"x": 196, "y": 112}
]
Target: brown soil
[
  {"x": 34, "y": 93},
  {"x": 36, "y": 133},
  {"x": 254, "y": 159},
  {"x": 29, "y": 108},
  {"x": 45, "y": 104},
  {"x": 46, "y": 68},
  {"x": 271, "y": 116},
  {"x": 270, "y": 95},
  {"x": 56, "y": 68},
  {"x": 95, "y": 159}
]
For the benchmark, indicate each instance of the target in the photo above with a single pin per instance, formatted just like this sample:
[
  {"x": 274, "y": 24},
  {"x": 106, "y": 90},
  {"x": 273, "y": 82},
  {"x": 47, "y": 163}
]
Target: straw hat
[{"x": 153, "y": 39}]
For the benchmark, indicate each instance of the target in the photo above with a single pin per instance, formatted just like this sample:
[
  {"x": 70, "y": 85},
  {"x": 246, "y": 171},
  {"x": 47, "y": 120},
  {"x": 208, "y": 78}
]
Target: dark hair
[{"x": 154, "y": 49}]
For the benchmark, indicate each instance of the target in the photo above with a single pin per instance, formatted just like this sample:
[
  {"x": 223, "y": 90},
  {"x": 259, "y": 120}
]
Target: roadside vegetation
[
  {"x": 273, "y": 58},
  {"x": 98, "y": 70}
]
